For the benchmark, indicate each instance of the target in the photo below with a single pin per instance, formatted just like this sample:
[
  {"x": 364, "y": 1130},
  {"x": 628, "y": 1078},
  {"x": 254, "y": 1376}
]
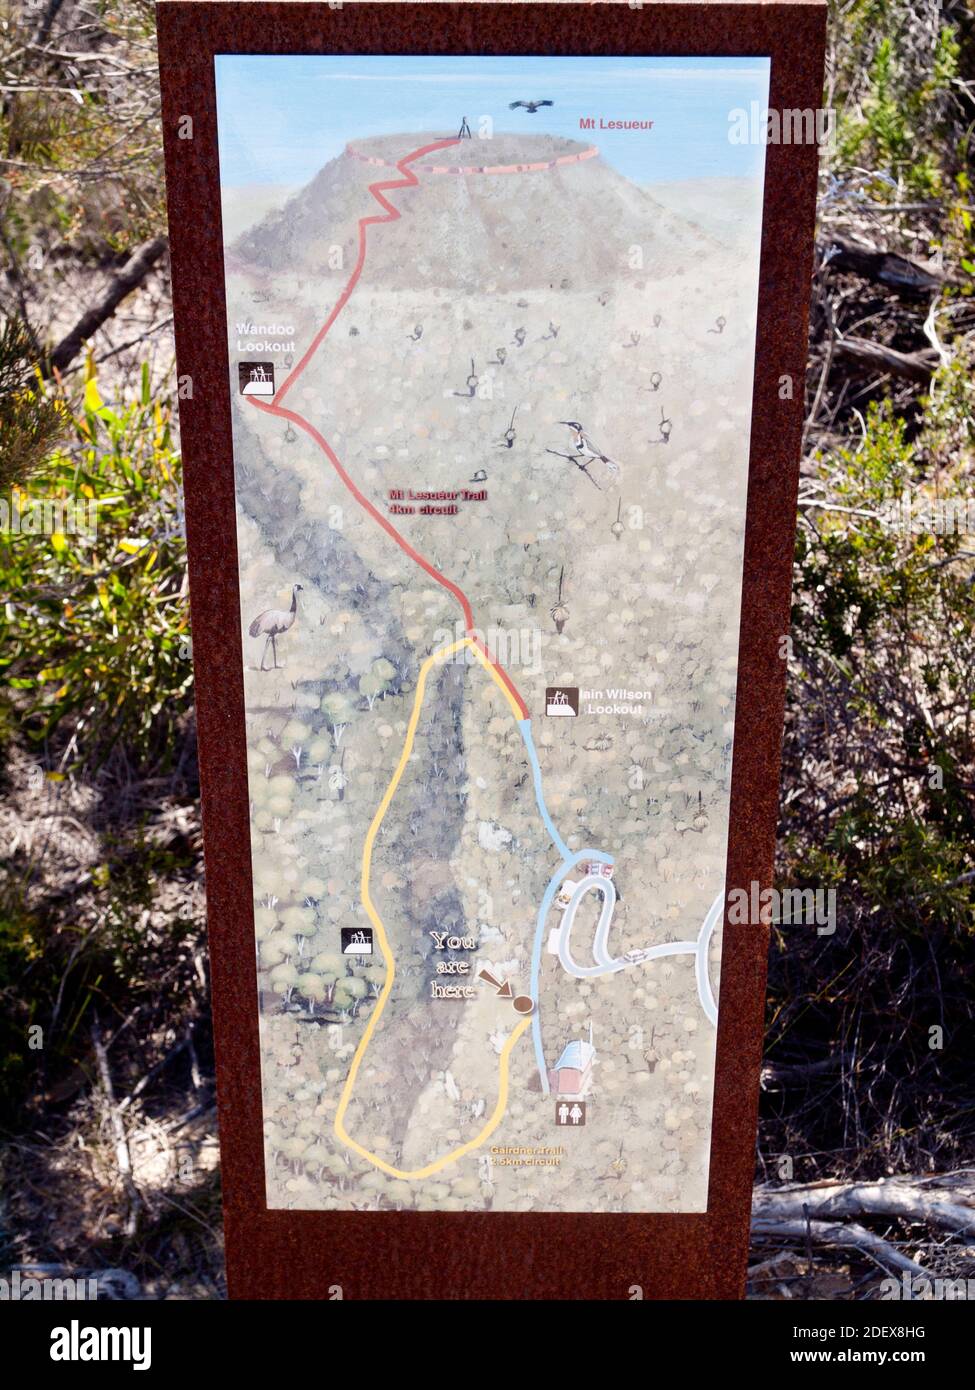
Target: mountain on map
[{"x": 574, "y": 226}]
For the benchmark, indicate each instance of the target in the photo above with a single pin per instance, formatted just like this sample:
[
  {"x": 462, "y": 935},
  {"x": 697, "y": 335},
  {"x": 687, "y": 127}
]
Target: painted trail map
[{"x": 491, "y": 380}]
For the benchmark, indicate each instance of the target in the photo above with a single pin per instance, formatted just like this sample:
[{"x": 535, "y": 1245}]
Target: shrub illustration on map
[{"x": 490, "y": 485}]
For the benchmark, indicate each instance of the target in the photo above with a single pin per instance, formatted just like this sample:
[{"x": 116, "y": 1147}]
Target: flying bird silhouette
[{"x": 530, "y": 106}]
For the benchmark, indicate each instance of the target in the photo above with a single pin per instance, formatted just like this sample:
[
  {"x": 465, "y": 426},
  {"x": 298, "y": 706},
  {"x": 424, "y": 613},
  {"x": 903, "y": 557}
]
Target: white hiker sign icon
[
  {"x": 256, "y": 378},
  {"x": 357, "y": 941},
  {"x": 561, "y": 701}
]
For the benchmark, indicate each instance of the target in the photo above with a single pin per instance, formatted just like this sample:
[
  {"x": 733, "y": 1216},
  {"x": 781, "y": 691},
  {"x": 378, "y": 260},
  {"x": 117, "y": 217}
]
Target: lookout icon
[
  {"x": 357, "y": 941},
  {"x": 256, "y": 378},
  {"x": 562, "y": 701}
]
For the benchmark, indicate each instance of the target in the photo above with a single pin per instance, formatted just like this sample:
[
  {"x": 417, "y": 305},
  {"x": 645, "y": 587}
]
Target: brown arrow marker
[{"x": 504, "y": 990}]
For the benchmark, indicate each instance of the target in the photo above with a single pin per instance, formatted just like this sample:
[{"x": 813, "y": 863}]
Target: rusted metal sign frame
[{"x": 455, "y": 1255}]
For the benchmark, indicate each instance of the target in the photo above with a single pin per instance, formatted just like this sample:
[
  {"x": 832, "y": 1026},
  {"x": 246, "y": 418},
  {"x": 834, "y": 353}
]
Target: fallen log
[
  {"x": 915, "y": 366},
  {"x": 785, "y": 1074},
  {"x": 904, "y": 274},
  {"x": 840, "y": 1201}
]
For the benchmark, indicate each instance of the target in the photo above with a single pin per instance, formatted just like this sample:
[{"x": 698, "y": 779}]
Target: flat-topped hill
[
  {"x": 573, "y": 223},
  {"x": 505, "y": 149}
]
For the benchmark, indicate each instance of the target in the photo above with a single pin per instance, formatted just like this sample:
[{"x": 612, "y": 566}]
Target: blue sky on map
[{"x": 280, "y": 118}]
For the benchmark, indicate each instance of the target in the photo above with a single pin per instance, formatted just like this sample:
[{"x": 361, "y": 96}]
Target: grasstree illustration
[
  {"x": 339, "y": 711},
  {"x": 559, "y": 611},
  {"x": 284, "y": 977},
  {"x": 377, "y": 680},
  {"x": 318, "y": 750},
  {"x": 338, "y": 778},
  {"x": 272, "y": 800},
  {"x": 294, "y": 739},
  {"x": 301, "y": 922},
  {"x": 319, "y": 981},
  {"x": 349, "y": 993}
]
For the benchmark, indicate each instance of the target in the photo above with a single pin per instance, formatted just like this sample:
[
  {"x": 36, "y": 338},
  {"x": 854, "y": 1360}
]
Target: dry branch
[
  {"x": 900, "y": 273},
  {"x": 915, "y": 366},
  {"x": 839, "y": 1234},
  {"x": 132, "y": 274},
  {"x": 899, "y": 1198},
  {"x": 123, "y": 1156},
  {"x": 774, "y": 1073}
]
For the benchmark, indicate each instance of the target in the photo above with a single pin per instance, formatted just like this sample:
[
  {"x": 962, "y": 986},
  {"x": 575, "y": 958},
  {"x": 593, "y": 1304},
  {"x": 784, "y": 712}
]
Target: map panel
[{"x": 491, "y": 326}]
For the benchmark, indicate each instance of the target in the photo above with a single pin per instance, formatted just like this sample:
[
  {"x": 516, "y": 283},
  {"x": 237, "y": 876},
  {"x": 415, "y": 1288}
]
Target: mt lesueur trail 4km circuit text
[{"x": 604, "y": 962}]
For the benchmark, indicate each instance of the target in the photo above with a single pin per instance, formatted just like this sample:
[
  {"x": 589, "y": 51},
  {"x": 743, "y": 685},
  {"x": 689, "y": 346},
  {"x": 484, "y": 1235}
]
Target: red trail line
[
  {"x": 376, "y": 515},
  {"x": 409, "y": 180}
]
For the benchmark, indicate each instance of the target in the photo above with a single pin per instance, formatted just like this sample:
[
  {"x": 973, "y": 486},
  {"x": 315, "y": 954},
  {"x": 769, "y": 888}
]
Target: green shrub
[
  {"x": 884, "y": 619},
  {"x": 897, "y": 97},
  {"x": 879, "y": 771},
  {"x": 30, "y": 422},
  {"x": 94, "y": 646}
]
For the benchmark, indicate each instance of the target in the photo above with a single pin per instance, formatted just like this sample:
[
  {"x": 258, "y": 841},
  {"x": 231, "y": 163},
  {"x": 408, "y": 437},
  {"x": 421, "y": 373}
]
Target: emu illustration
[{"x": 271, "y": 623}]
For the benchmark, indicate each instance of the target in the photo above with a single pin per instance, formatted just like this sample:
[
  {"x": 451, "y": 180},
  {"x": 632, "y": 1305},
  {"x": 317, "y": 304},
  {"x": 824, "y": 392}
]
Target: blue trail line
[{"x": 525, "y": 725}]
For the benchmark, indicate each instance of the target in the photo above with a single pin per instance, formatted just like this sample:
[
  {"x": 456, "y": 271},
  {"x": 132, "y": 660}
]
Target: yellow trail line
[{"x": 496, "y": 1114}]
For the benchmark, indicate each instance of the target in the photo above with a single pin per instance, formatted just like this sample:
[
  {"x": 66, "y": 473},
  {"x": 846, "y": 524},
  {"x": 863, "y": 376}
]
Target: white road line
[{"x": 606, "y": 964}]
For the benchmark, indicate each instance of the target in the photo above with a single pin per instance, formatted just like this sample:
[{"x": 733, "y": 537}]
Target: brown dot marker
[{"x": 523, "y": 1004}]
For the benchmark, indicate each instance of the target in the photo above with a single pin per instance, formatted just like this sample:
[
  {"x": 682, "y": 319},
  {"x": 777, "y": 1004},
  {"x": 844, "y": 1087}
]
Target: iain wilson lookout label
[{"x": 491, "y": 325}]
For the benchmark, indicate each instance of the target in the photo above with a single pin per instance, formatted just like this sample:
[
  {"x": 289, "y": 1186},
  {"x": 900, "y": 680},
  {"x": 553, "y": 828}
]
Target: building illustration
[{"x": 571, "y": 1077}]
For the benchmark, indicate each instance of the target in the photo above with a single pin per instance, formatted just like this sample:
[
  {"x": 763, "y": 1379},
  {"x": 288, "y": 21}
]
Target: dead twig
[{"x": 123, "y": 1156}]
